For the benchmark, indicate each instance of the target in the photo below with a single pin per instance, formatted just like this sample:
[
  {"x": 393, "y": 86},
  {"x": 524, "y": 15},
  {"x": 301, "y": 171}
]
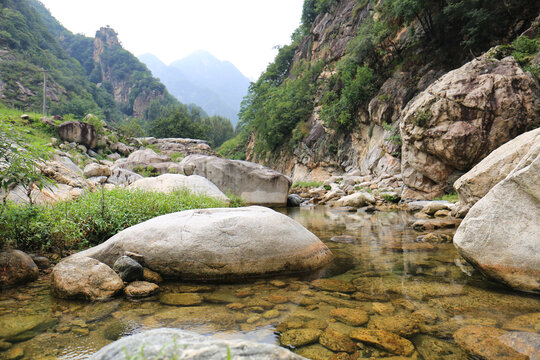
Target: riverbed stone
[
  {"x": 333, "y": 285},
  {"x": 211, "y": 244},
  {"x": 356, "y": 200},
  {"x": 128, "y": 269},
  {"x": 15, "y": 353},
  {"x": 353, "y": 317},
  {"x": 189, "y": 346},
  {"x": 152, "y": 276},
  {"x": 526, "y": 322},
  {"x": 256, "y": 184},
  {"x": 299, "y": 337},
  {"x": 85, "y": 278},
  {"x": 485, "y": 342},
  {"x": 337, "y": 341},
  {"x": 15, "y": 328},
  {"x": 432, "y": 348},
  {"x": 499, "y": 235},
  {"x": 141, "y": 289},
  {"x": 16, "y": 267},
  {"x": 185, "y": 299},
  {"x": 168, "y": 183},
  {"x": 526, "y": 343},
  {"x": 315, "y": 352},
  {"x": 384, "y": 340}
]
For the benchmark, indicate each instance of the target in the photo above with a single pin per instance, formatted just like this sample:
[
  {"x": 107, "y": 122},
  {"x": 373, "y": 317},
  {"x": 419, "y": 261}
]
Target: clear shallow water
[{"x": 421, "y": 292}]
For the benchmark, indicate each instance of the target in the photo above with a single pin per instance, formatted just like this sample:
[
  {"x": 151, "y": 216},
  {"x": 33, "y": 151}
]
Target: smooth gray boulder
[
  {"x": 181, "y": 344},
  {"x": 256, "y": 184},
  {"x": 500, "y": 235},
  {"x": 122, "y": 177},
  {"x": 212, "y": 244},
  {"x": 475, "y": 184},
  {"x": 149, "y": 160},
  {"x": 168, "y": 183}
]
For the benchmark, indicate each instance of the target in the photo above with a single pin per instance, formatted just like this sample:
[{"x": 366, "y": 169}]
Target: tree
[{"x": 177, "y": 124}]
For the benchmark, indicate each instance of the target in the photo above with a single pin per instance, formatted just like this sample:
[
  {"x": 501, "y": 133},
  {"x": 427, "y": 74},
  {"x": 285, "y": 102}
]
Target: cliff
[{"x": 371, "y": 107}]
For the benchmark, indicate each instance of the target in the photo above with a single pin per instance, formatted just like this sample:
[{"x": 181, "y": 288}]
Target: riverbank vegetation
[{"x": 90, "y": 219}]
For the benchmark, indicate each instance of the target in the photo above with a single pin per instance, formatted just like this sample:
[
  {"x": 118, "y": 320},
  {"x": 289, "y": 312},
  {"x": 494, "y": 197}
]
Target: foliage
[
  {"x": 177, "y": 124},
  {"x": 524, "y": 50},
  {"x": 131, "y": 128},
  {"x": 148, "y": 171},
  {"x": 84, "y": 222},
  {"x": 235, "y": 201},
  {"x": 19, "y": 165},
  {"x": 217, "y": 129},
  {"x": 452, "y": 197},
  {"x": 340, "y": 109},
  {"x": 390, "y": 198},
  {"x": 307, "y": 184},
  {"x": 234, "y": 148},
  {"x": 276, "y": 104}
]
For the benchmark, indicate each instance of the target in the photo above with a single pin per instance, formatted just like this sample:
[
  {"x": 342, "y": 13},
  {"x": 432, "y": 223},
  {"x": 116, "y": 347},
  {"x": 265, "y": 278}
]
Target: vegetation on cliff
[{"x": 391, "y": 36}]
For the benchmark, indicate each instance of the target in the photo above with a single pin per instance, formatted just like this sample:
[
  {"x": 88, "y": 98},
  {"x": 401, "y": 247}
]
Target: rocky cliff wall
[{"x": 375, "y": 145}]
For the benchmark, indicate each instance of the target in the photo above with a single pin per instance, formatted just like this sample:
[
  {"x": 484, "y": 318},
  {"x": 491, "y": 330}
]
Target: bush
[
  {"x": 307, "y": 184},
  {"x": 91, "y": 219}
]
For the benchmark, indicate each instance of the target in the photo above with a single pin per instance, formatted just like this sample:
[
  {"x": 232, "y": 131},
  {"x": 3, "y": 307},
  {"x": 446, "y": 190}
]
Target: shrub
[{"x": 307, "y": 184}]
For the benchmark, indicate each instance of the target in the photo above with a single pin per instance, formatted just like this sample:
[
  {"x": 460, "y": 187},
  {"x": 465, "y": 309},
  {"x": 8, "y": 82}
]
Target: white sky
[{"x": 243, "y": 32}]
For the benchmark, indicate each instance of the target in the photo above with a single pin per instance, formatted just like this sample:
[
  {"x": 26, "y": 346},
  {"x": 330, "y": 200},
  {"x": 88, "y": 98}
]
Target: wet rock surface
[{"x": 16, "y": 267}]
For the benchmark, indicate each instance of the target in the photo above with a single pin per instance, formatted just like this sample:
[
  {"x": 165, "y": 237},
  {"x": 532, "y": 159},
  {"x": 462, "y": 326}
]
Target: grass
[
  {"x": 307, "y": 184},
  {"x": 453, "y": 197},
  {"x": 91, "y": 219}
]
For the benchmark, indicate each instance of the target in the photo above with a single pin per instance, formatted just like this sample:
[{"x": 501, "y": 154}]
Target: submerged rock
[
  {"x": 170, "y": 343},
  {"x": 15, "y": 328},
  {"x": 500, "y": 234},
  {"x": 384, "y": 340},
  {"x": 216, "y": 244},
  {"x": 486, "y": 342},
  {"x": 299, "y": 337},
  {"x": 140, "y": 289}
]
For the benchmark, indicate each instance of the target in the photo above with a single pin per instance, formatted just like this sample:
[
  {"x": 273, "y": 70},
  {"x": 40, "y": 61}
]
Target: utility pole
[{"x": 44, "y": 92}]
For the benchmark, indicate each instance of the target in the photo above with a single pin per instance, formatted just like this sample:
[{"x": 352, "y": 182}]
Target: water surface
[{"x": 423, "y": 292}]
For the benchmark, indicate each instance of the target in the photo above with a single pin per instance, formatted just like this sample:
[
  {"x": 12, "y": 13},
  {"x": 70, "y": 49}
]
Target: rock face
[
  {"x": 463, "y": 117},
  {"x": 78, "y": 132},
  {"x": 214, "y": 244},
  {"x": 172, "y": 146},
  {"x": 499, "y": 235},
  {"x": 123, "y": 177},
  {"x": 85, "y": 278},
  {"x": 254, "y": 183},
  {"x": 475, "y": 184},
  {"x": 16, "y": 268},
  {"x": 180, "y": 344},
  {"x": 168, "y": 183}
]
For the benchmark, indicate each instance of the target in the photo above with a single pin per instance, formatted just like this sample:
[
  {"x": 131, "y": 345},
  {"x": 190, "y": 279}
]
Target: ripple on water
[{"x": 381, "y": 282}]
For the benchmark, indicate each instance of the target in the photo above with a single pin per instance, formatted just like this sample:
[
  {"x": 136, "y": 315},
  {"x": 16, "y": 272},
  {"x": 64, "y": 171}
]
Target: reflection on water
[{"x": 422, "y": 292}]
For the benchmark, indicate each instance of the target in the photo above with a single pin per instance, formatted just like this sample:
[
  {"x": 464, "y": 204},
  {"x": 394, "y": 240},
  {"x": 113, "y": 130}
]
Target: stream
[{"x": 418, "y": 290}]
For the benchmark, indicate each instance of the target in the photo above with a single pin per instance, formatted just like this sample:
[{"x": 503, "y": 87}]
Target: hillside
[
  {"x": 340, "y": 98},
  {"x": 217, "y": 86}
]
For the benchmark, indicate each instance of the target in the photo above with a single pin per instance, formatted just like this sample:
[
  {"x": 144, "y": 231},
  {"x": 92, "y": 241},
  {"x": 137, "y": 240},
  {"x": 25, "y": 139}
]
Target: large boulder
[
  {"x": 181, "y": 344},
  {"x": 463, "y": 117},
  {"x": 78, "y": 132},
  {"x": 16, "y": 268},
  {"x": 215, "y": 244},
  {"x": 122, "y": 177},
  {"x": 475, "y": 184},
  {"x": 500, "y": 234},
  {"x": 168, "y": 183},
  {"x": 254, "y": 183},
  {"x": 170, "y": 146},
  {"x": 78, "y": 277},
  {"x": 148, "y": 160}
]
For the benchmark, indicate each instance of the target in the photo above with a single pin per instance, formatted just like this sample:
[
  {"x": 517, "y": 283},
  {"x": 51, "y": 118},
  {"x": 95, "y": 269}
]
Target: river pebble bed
[{"x": 391, "y": 293}]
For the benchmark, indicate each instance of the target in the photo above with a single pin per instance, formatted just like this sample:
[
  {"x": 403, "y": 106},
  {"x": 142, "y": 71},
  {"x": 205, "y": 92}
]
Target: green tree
[{"x": 177, "y": 124}]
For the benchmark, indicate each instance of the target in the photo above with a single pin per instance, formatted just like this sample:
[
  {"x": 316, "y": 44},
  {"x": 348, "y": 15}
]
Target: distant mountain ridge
[{"x": 217, "y": 86}]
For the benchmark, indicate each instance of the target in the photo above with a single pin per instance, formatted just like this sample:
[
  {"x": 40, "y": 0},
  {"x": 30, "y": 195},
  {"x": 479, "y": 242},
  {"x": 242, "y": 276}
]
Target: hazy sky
[{"x": 243, "y": 32}]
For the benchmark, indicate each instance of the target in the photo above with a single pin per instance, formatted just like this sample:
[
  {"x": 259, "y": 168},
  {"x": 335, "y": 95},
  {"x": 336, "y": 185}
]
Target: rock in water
[
  {"x": 256, "y": 184},
  {"x": 180, "y": 344},
  {"x": 16, "y": 268},
  {"x": 216, "y": 244},
  {"x": 85, "y": 278},
  {"x": 78, "y": 132},
  {"x": 461, "y": 118},
  {"x": 475, "y": 184},
  {"x": 168, "y": 183},
  {"x": 128, "y": 269},
  {"x": 500, "y": 234}
]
